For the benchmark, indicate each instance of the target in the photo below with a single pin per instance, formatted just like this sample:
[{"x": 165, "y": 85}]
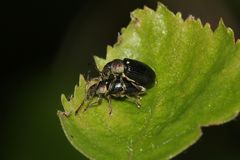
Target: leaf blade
[{"x": 197, "y": 85}]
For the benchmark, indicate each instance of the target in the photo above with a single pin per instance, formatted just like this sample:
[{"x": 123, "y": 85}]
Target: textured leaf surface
[{"x": 198, "y": 75}]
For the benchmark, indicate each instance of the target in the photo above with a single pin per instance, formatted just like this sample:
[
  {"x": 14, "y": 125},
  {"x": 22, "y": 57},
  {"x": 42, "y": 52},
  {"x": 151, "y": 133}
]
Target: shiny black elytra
[{"x": 133, "y": 70}]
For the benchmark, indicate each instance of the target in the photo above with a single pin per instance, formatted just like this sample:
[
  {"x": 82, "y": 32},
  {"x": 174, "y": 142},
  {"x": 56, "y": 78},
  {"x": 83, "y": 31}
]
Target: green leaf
[{"x": 198, "y": 75}]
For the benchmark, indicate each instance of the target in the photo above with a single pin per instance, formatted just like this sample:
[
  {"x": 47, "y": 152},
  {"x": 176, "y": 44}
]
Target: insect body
[
  {"x": 106, "y": 89},
  {"x": 132, "y": 70},
  {"x": 119, "y": 78}
]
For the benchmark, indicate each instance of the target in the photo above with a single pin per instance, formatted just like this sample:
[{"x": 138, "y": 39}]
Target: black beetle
[
  {"x": 133, "y": 70},
  {"x": 118, "y": 88}
]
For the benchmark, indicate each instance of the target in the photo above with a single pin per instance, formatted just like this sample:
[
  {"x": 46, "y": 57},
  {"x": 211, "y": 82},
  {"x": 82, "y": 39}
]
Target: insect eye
[{"x": 106, "y": 72}]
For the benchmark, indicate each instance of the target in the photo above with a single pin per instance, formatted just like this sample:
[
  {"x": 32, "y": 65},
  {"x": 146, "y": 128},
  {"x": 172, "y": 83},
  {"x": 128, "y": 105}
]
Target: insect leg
[
  {"x": 109, "y": 104},
  {"x": 140, "y": 88},
  {"x": 135, "y": 99},
  {"x": 129, "y": 79},
  {"x": 80, "y": 106}
]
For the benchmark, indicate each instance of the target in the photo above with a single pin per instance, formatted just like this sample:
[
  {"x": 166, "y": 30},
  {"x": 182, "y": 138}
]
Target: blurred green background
[{"x": 47, "y": 44}]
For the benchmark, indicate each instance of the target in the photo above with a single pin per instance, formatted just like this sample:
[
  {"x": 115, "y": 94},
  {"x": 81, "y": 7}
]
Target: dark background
[{"x": 44, "y": 47}]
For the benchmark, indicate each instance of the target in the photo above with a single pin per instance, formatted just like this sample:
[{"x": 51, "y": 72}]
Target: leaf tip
[
  {"x": 147, "y": 8},
  {"x": 221, "y": 22},
  {"x": 231, "y": 33},
  {"x": 208, "y": 26},
  {"x": 190, "y": 18},
  {"x": 63, "y": 98},
  {"x": 110, "y": 55},
  {"x": 160, "y": 6},
  {"x": 179, "y": 15},
  {"x": 119, "y": 39},
  {"x": 199, "y": 22},
  {"x": 65, "y": 103},
  {"x": 98, "y": 61},
  {"x": 162, "y": 9},
  {"x": 222, "y": 28},
  {"x": 135, "y": 20},
  {"x": 81, "y": 79},
  {"x": 221, "y": 25},
  {"x": 238, "y": 42},
  {"x": 61, "y": 114}
]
